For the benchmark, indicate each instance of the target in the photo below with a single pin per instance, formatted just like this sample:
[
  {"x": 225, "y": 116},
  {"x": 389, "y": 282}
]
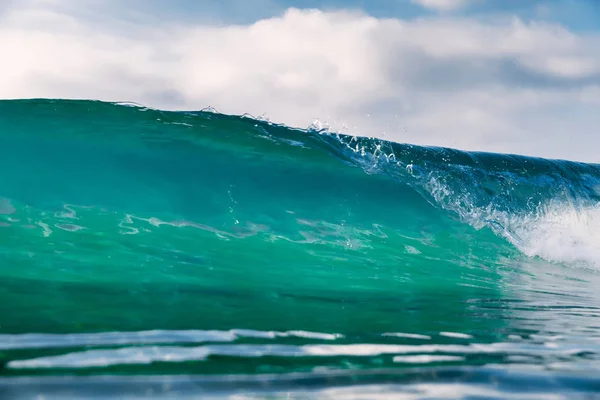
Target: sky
[{"x": 509, "y": 76}]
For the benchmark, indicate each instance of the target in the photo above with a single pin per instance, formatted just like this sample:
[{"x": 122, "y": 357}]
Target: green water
[{"x": 149, "y": 253}]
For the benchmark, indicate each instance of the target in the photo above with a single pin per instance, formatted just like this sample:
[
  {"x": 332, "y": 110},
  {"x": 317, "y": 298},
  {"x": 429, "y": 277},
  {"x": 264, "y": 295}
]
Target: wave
[
  {"x": 545, "y": 208},
  {"x": 140, "y": 241}
]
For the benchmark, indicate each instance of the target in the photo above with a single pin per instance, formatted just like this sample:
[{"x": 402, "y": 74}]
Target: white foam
[
  {"x": 411, "y": 250},
  {"x": 456, "y": 335},
  {"x": 44, "y": 340},
  {"x": 407, "y": 335},
  {"x": 69, "y": 227},
  {"x": 561, "y": 232},
  {"x": 426, "y": 359},
  {"x": 146, "y": 355},
  {"x": 557, "y": 231},
  {"x": 46, "y": 231},
  {"x": 313, "y": 335},
  {"x": 6, "y": 207},
  {"x": 104, "y": 358}
]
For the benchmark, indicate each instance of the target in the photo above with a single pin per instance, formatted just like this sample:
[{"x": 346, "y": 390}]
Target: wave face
[{"x": 151, "y": 253}]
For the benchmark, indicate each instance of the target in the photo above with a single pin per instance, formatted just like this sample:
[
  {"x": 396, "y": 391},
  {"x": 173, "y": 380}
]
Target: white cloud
[
  {"x": 504, "y": 86},
  {"x": 442, "y": 5}
]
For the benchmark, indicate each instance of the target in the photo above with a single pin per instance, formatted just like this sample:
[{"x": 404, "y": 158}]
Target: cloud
[
  {"x": 501, "y": 85},
  {"x": 442, "y": 5}
]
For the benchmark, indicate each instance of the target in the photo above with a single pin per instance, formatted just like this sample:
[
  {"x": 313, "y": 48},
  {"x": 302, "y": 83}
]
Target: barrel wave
[{"x": 151, "y": 253}]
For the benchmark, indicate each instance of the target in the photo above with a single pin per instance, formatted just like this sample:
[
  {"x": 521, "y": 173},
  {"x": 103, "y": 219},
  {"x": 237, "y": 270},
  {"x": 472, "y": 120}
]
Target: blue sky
[
  {"x": 576, "y": 14},
  {"x": 513, "y": 76}
]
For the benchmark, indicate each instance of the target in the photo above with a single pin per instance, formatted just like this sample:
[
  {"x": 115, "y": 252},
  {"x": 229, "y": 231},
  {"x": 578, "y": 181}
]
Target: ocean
[{"x": 155, "y": 254}]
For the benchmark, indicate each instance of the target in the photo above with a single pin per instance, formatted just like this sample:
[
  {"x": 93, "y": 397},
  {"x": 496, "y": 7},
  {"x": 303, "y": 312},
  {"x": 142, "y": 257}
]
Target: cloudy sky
[{"x": 517, "y": 76}]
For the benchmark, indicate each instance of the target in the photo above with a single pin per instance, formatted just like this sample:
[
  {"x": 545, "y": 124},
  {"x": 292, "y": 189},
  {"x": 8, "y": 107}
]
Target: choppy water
[{"x": 159, "y": 254}]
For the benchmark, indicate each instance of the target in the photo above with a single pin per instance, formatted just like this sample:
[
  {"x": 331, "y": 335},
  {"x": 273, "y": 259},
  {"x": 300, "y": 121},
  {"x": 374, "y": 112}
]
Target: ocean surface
[{"x": 152, "y": 254}]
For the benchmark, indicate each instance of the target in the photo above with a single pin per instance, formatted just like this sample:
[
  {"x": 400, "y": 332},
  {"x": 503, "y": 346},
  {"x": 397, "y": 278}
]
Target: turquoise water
[{"x": 171, "y": 254}]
